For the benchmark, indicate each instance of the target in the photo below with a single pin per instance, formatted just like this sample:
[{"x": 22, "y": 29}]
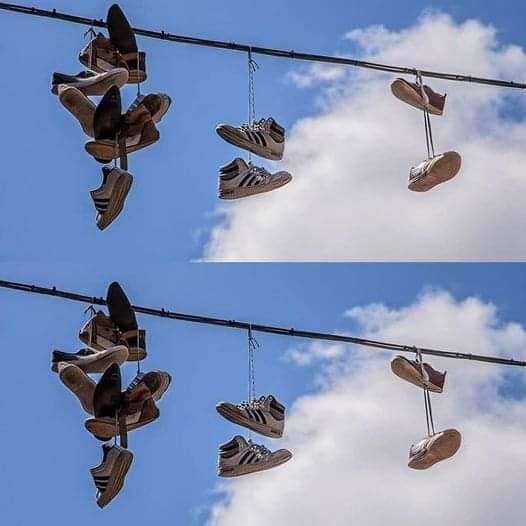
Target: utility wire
[
  {"x": 281, "y": 53},
  {"x": 269, "y": 329}
]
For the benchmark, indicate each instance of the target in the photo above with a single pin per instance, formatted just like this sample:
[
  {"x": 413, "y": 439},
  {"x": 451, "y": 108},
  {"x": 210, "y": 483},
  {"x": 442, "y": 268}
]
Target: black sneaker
[
  {"x": 91, "y": 361},
  {"x": 107, "y": 398},
  {"x": 91, "y": 83},
  {"x": 107, "y": 118}
]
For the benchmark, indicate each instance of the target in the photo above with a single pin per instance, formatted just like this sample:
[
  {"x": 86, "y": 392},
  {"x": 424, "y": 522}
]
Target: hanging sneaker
[
  {"x": 156, "y": 381},
  {"x": 90, "y": 83},
  {"x": 265, "y": 415},
  {"x": 79, "y": 383},
  {"x": 110, "y": 473},
  {"x": 100, "y": 56},
  {"x": 79, "y": 106},
  {"x": 239, "y": 179},
  {"x": 107, "y": 118},
  {"x": 100, "y": 333},
  {"x": 157, "y": 105},
  {"x": 89, "y": 360},
  {"x": 265, "y": 138},
  {"x": 137, "y": 137},
  {"x": 104, "y": 428},
  {"x": 241, "y": 457},
  {"x": 410, "y": 371},
  {"x": 436, "y": 448},
  {"x": 435, "y": 171},
  {"x": 110, "y": 196},
  {"x": 410, "y": 93},
  {"x": 107, "y": 399}
]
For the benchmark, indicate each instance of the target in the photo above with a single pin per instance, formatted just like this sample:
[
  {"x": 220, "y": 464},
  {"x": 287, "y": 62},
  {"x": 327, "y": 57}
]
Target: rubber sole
[
  {"x": 116, "y": 204},
  {"x": 234, "y": 417},
  {"x": 105, "y": 151},
  {"x": 79, "y": 383},
  {"x": 116, "y": 481},
  {"x": 236, "y": 140},
  {"x": 403, "y": 368},
  {"x": 240, "y": 193},
  {"x": 246, "y": 469},
  {"x": 403, "y": 91},
  {"x": 99, "y": 362},
  {"x": 444, "y": 169},
  {"x": 79, "y": 106},
  {"x": 443, "y": 447},
  {"x": 104, "y": 428},
  {"x": 99, "y": 85}
]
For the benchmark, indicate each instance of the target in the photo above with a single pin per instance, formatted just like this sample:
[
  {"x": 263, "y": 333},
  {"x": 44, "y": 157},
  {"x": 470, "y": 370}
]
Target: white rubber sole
[
  {"x": 239, "y": 193},
  {"x": 246, "y": 469}
]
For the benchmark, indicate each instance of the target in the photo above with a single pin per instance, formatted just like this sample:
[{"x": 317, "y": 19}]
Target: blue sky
[
  {"x": 170, "y": 210},
  {"x": 45, "y": 471}
]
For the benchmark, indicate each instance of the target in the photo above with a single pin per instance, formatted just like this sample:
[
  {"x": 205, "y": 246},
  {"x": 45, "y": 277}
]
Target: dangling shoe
[
  {"x": 107, "y": 399},
  {"x": 123, "y": 316},
  {"x": 104, "y": 428},
  {"x": 410, "y": 93},
  {"x": 100, "y": 56},
  {"x": 110, "y": 473},
  {"x": 137, "y": 137},
  {"x": 91, "y": 361},
  {"x": 156, "y": 103},
  {"x": 107, "y": 119},
  {"x": 156, "y": 381},
  {"x": 110, "y": 196},
  {"x": 79, "y": 383},
  {"x": 239, "y": 179},
  {"x": 90, "y": 83},
  {"x": 265, "y": 415},
  {"x": 410, "y": 371},
  {"x": 79, "y": 106},
  {"x": 436, "y": 448},
  {"x": 435, "y": 171},
  {"x": 265, "y": 138},
  {"x": 240, "y": 457}
]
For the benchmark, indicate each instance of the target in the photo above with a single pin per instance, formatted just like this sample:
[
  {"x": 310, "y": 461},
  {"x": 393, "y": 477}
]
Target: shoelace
[
  {"x": 256, "y": 126},
  {"x": 263, "y": 175},
  {"x": 256, "y": 404},
  {"x": 260, "y": 450}
]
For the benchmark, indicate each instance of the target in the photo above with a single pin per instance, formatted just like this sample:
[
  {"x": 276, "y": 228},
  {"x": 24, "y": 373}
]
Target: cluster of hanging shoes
[
  {"x": 436, "y": 446},
  {"x": 111, "y": 63},
  {"x": 111, "y": 341},
  {"x": 436, "y": 169}
]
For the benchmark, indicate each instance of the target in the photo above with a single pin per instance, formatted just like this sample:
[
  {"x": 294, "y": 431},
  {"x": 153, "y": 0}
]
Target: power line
[
  {"x": 281, "y": 53},
  {"x": 269, "y": 329}
]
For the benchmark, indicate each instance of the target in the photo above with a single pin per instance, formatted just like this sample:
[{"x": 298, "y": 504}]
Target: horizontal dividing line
[
  {"x": 269, "y": 329},
  {"x": 280, "y": 53}
]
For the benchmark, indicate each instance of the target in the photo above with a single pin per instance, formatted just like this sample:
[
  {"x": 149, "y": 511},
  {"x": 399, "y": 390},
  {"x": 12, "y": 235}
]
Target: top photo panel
[{"x": 283, "y": 131}]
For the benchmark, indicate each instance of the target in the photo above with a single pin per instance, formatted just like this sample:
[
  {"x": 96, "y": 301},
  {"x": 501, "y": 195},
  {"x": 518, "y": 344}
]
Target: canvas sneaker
[
  {"x": 90, "y": 83},
  {"x": 79, "y": 106},
  {"x": 433, "y": 449},
  {"x": 157, "y": 105},
  {"x": 110, "y": 473},
  {"x": 265, "y": 415},
  {"x": 240, "y": 457},
  {"x": 410, "y": 93},
  {"x": 156, "y": 381},
  {"x": 90, "y": 360},
  {"x": 239, "y": 179},
  {"x": 265, "y": 138},
  {"x": 412, "y": 372},
  {"x": 79, "y": 383},
  {"x": 435, "y": 171},
  {"x": 110, "y": 196}
]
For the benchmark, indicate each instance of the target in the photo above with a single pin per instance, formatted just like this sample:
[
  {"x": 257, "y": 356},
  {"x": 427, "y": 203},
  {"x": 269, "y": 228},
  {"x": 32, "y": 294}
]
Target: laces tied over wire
[
  {"x": 252, "y": 68},
  {"x": 91, "y": 34},
  {"x": 427, "y": 398},
  {"x": 253, "y": 345},
  {"x": 427, "y": 119}
]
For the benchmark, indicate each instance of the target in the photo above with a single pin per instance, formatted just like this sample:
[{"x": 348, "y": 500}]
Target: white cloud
[
  {"x": 351, "y": 437},
  {"x": 350, "y": 160}
]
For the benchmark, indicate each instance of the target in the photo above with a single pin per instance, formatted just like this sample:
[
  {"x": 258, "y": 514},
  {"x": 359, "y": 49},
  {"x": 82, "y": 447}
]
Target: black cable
[
  {"x": 281, "y": 53},
  {"x": 269, "y": 329}
]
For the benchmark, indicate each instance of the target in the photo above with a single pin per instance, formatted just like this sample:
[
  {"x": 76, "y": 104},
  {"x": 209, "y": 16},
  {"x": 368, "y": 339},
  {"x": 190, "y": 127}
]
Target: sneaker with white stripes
[
  {"x": 265, "y": 138},
  {"x": 240, "y": 457},
  {"x": 110, "y": 196},
  {"x": 239, "y": 179},
  {"x": 435, "y": 171},
  {"x": 265, "y": 415},
  {"x": 110, "y": 473}
]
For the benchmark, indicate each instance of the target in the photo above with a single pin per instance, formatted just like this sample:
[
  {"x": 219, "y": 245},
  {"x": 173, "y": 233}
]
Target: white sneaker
[
  {"x": 433, "y": 449},
  {"x": 265, "y": 416},
  {"x": 110, "y": 196},
  {"x": 265, "y": 138},
  {"x": 240, "y": 457},
  {"x": 239, "y": 179},
  {"x": 435, "y": 171}
]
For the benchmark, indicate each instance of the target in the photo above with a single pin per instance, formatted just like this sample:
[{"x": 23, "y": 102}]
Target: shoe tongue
[
  {"x": 106, "y": 170},
  {"x": 86, "y": 352},
  {"x": 85, "y": 74}
]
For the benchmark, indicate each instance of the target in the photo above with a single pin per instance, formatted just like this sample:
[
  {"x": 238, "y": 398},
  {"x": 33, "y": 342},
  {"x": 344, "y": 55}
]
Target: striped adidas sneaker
[
  {"x": 110, "y": 196},
  {"x": 239, "y": 179},
  {"x": 265, "y": 415},
  {"x": 265, "y": 138},
  {"x": 240, "y": 457},
  {"x": 110, "y": 473}
]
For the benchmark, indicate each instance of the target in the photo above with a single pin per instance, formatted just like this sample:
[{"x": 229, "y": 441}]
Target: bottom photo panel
[{"x": 258, "y": 395}]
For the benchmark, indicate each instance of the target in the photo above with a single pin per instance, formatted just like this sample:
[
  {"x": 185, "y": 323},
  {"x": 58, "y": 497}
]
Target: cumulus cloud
[
  {"x": 351, "y": 437},
  {"x": 351, "y": 158}
]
